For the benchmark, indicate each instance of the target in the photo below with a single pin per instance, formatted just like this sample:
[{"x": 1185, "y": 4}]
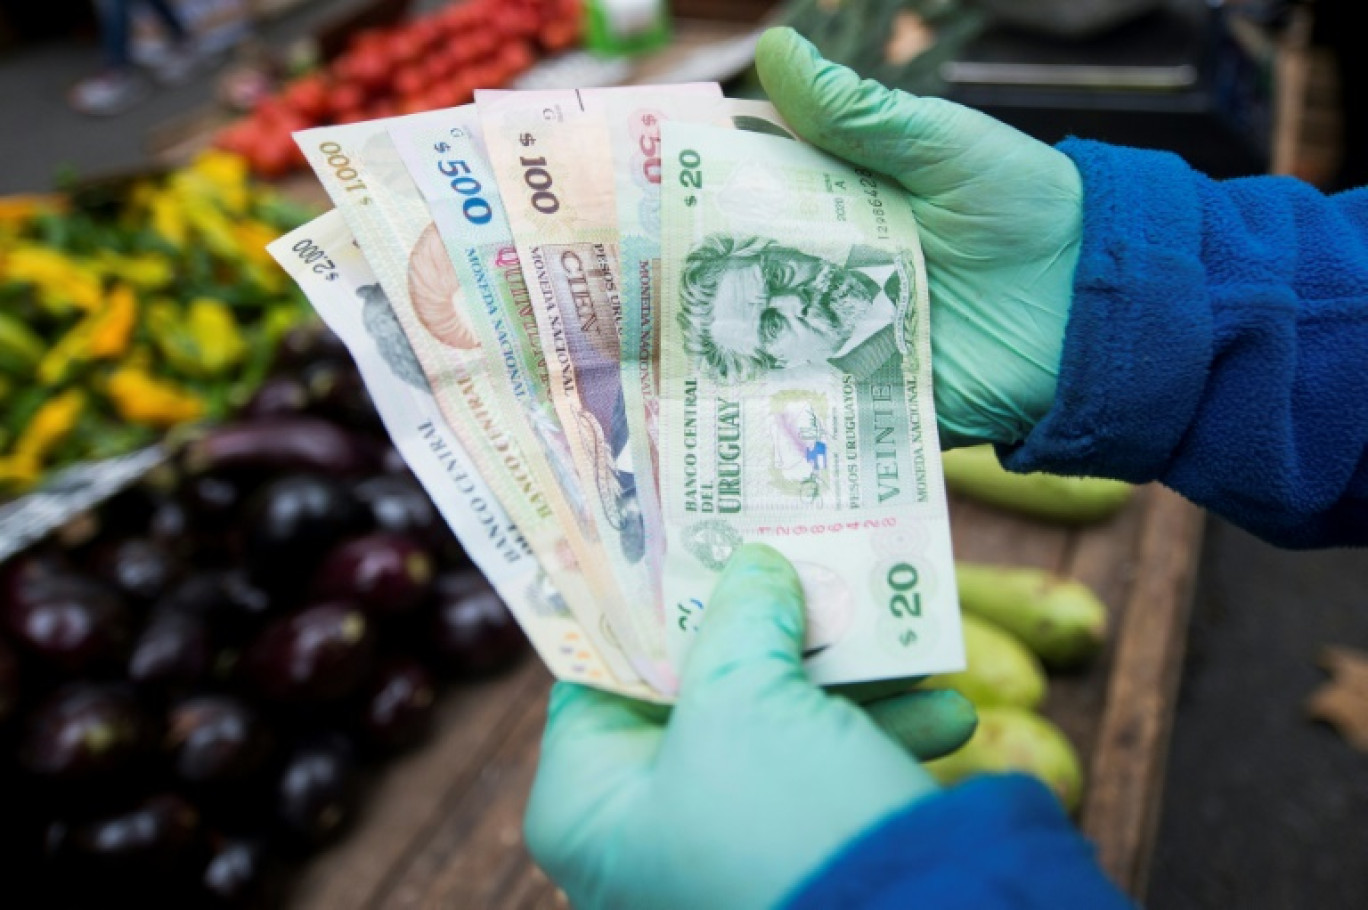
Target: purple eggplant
[
  {"x": 71, "y": 623},
  {"x": 139, "y": 567},
  {"x": 472, "y": 633},
  {"x": 215, "y": 739},
  {"x": 398, "y": 705},
  {"x": 278, "y": 396},
  {"x": 173, "y": 650},
  {"x": 397, "y": 503},
  {"x": 282, "y": 444},
  {"x": 9, "y": 681},
  {"x": 242, "y": 875},
  {"x": 319, "y": 654},
  {"x": 230, "y": 605},
  {"x": 291, "y": 522},
  {"x": 337, "y": 392},
  {"x": 308, "y": 343},
  {"x": 392, "y": 461},
  {"x": 316, "y": 794},
  {"x": 85, "y": 732},
  {"x": 382, "y": 573},
  {"x": 149, "y": 855}
]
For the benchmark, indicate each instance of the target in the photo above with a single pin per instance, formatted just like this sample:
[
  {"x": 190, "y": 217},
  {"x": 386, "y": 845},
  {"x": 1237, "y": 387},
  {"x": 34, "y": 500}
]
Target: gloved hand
[
  {"x": 744, "y": 789},
  {"x": 1000, "y": 217}
]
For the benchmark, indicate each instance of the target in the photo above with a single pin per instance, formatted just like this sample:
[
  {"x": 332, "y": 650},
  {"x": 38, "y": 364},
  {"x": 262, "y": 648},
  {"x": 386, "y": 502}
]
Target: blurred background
[{"x": 1219, "y": 771}]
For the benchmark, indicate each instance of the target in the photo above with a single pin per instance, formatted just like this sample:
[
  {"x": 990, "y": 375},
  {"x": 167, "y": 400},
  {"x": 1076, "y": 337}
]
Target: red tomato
[
  {"x": 308, "y": 96},
  {"x": 350, "y": 115},
  {"x": 462, "y": 90},
  {"x": 435, "y": 68},
  {"x": 274, "y": 156},
  {"x": 381, "y": 108},
  {"x": 516, "y": 56},
  {"x": 345, "y": 96},
  {"x": 236, "y": 136},
  {"x": 410, "y": 80},
  {"x": 404, "y": 48}
]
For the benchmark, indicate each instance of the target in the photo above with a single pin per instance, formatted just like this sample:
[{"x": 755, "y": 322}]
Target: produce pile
[
  {"x": 1021, "y": 622},
  {"x": 429, "y": 62},
  {"x": 131, "y": 306},
  {"x": 194, "y": 679}
]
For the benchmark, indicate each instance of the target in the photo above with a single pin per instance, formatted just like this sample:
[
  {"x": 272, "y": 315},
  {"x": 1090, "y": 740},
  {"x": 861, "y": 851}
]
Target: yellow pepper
[
  {"x": 18, "y": 472},
  {"x": 113, "y": 327},
  {"x": 146, "y": 272},
  {"x": 62, "y": 281},
  {"x": 144, "y": 399},
  {"x": 168, "y": 220},
  {"x": 226, "y": 175},
  {"x": 216, "y": 334},
  {"x": 52, "y": 423},
  {"x": 252, "y": 238},
  {"x": 102, "y": 334}
]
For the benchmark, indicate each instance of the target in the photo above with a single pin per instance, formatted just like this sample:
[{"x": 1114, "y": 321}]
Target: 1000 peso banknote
[{"x": 795, "y": 396}]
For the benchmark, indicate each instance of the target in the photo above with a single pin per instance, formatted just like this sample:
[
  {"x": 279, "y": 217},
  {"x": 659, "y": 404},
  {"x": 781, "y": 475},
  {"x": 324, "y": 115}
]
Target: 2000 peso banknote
[
  {"x": 423, "y": 300},
  {"x": 329, "y": 268},
  {"x": 795, "y": 398}
]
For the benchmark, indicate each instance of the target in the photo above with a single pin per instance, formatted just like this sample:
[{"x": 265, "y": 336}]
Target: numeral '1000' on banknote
[{"x": 795, "y": 396}]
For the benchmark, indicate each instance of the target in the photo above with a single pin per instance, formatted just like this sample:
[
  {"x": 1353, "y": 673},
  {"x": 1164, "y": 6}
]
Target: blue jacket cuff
[
  {"x": 999, "y": 841},
  {"x": 1138, "y": 341}
]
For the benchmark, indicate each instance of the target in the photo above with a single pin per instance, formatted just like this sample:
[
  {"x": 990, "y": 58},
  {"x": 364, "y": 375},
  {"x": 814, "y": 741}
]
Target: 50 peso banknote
[
  {"x": 422, "y": 299},
  {"x": 324, "y": 260},
  {"x": 795, "y": 396}
]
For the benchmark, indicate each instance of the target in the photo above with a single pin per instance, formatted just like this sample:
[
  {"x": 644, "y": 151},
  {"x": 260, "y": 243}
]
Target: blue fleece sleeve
[
  {"x": 993, "y": 842},
  {"x": 1217, "y": 342}
]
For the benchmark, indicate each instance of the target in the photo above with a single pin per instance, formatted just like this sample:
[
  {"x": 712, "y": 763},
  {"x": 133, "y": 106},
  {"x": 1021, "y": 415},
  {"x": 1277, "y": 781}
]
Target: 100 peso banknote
[{"x": 795, "y": 397}]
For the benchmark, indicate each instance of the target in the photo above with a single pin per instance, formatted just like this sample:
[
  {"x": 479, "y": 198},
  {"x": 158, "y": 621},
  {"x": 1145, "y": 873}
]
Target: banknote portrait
[
  {"x": 751, "y": 305},
  {"x": 377, "y": 315}
]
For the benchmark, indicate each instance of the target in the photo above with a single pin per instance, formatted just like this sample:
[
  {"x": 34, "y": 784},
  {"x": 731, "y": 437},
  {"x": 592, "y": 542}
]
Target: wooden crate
[{"x": 443, "y": 827}]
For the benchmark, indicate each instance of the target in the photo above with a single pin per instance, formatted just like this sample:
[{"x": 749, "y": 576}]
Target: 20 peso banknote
[
  {"x": 795, "y": 399},
  {"x": 324, "y": 260}
]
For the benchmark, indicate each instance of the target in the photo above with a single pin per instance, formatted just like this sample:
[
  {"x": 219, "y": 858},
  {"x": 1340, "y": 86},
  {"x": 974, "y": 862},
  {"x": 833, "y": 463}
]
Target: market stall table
[{"x": 443, "y": 826}]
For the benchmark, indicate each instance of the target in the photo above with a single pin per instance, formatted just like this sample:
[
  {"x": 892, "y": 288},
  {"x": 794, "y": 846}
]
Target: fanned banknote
[
  {"x": 634, "y": 118},
  {"x": 421, "y": 298},
  {"x": 550, "y": 154},
  {"x": 329, "y": 268},
  {"x": 445, "y": 156},
  {"x": 618, "y": 332},
  {"x": 795, "y": 396}
]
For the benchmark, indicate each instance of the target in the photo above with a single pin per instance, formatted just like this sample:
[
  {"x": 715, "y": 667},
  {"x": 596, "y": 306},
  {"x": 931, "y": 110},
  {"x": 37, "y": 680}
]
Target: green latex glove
[
  {"x": 743, "y": 790},
  {"x": 1001, "y": 220}
]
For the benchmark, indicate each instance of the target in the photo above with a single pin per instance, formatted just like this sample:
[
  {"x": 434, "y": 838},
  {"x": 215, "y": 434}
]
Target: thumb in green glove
[
  {"x": 743, "y": 790},
  {"x": 1000, "y": 217}
]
